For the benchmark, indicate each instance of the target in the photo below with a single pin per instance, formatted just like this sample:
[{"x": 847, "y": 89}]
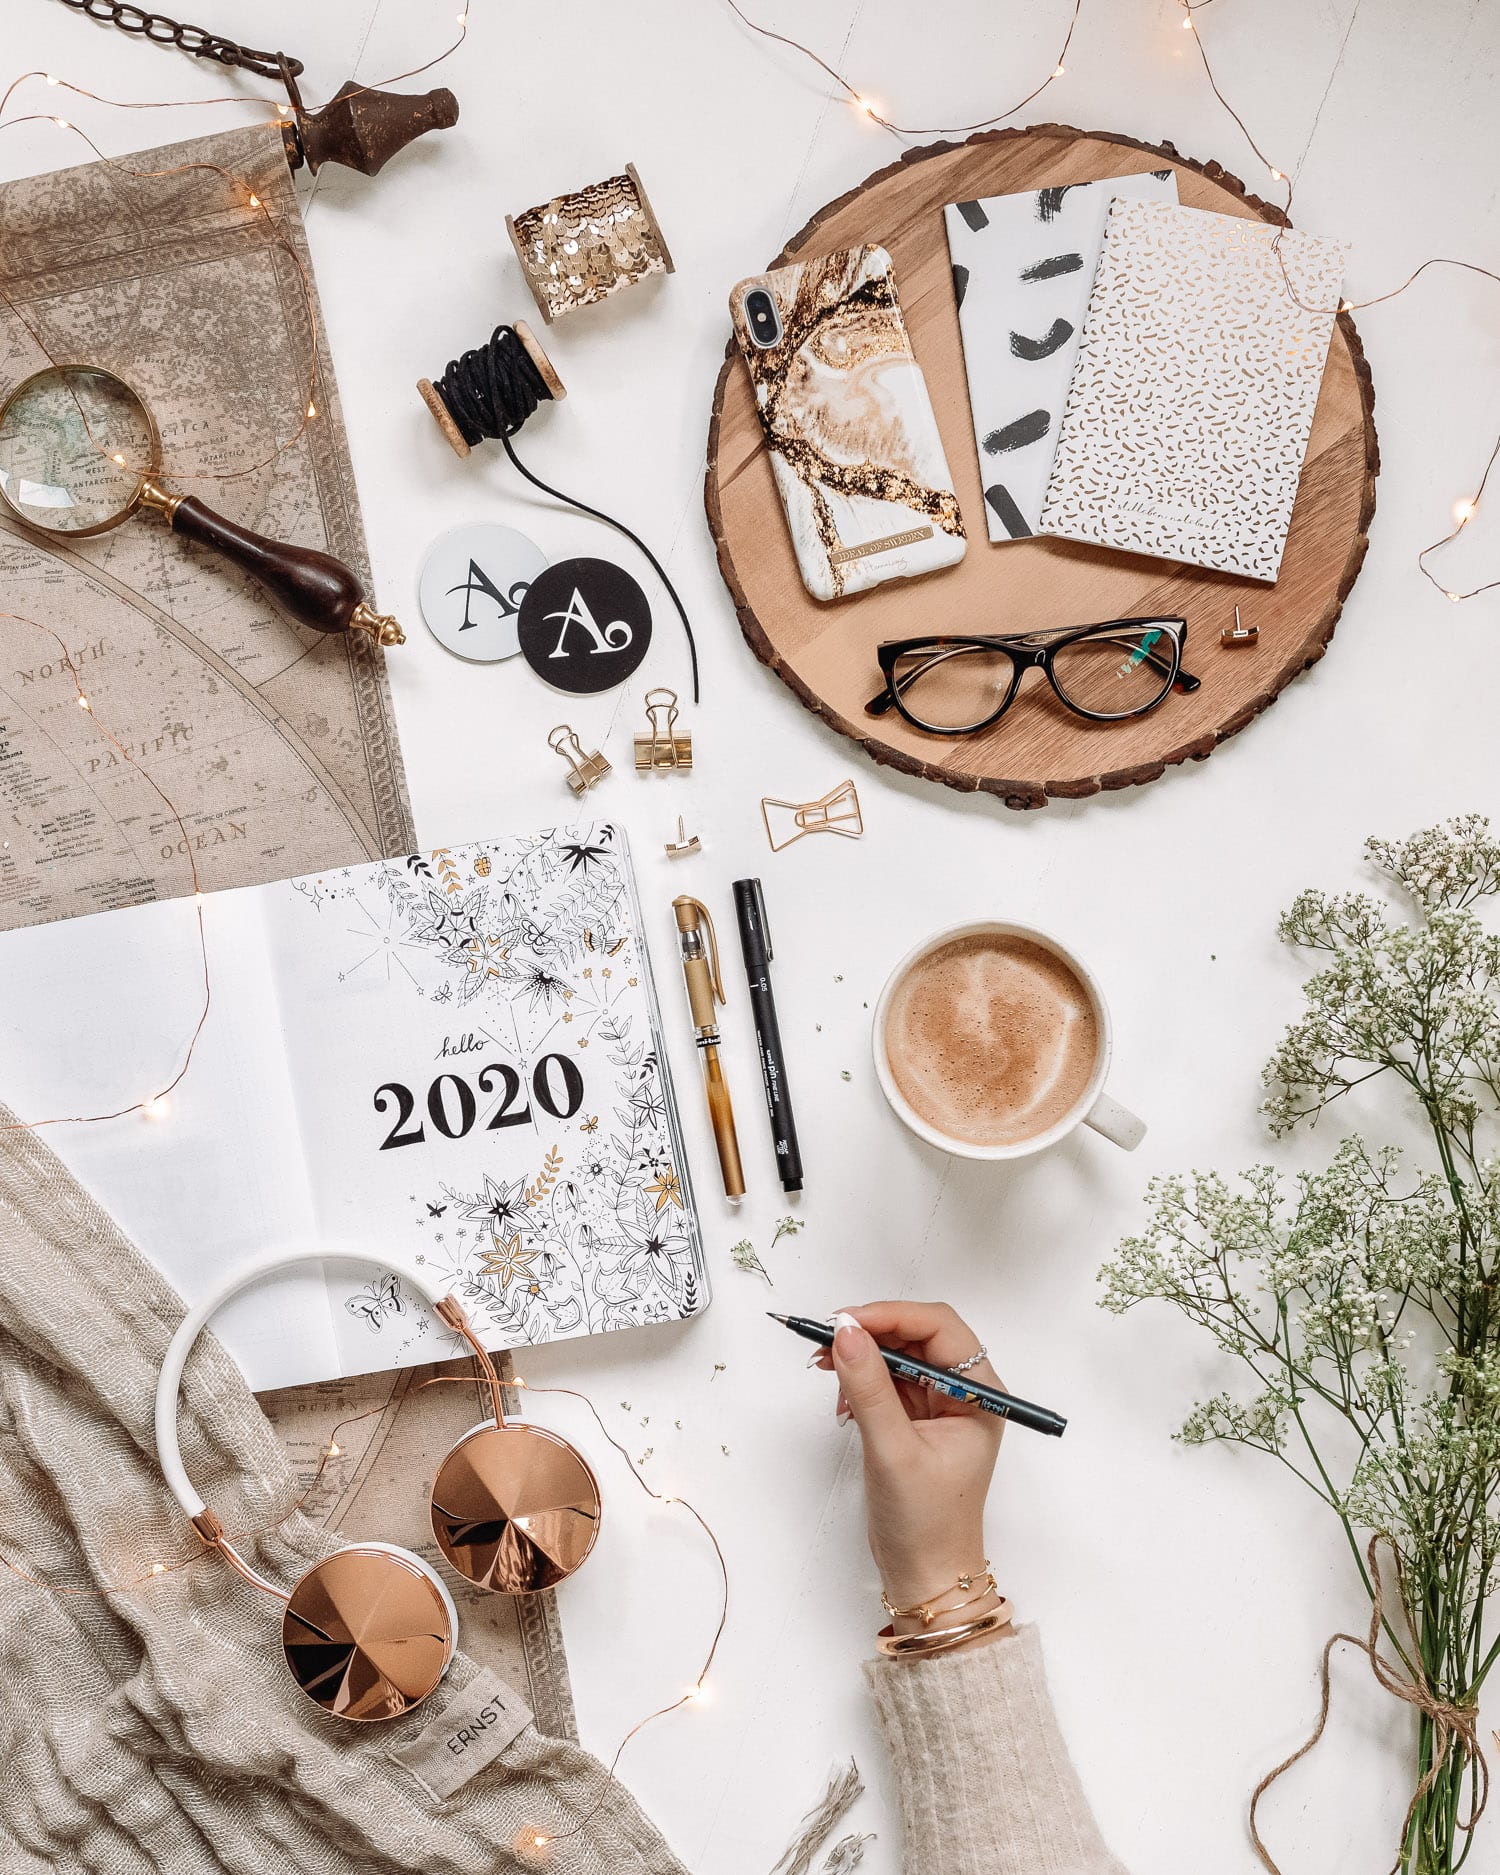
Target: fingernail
[
  {"x": 848, "y": 1337},
  {"x": 843, "y": 1415},
  {"x": 814, "y": 1358}
]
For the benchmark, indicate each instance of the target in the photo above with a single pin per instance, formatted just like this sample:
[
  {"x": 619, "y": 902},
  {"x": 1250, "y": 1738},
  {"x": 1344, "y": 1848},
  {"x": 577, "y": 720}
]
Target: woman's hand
[{"x": 928, "y": 1459}]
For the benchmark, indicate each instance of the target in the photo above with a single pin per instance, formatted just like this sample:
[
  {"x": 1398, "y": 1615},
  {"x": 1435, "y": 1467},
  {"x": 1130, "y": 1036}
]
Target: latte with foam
[{"x": 992, "y": 1038}]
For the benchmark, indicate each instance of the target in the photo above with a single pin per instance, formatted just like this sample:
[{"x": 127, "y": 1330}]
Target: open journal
[{"x": 453, "y": 1056}]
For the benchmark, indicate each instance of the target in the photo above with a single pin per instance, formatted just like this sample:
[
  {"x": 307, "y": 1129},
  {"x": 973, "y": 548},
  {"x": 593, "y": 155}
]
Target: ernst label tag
[{"x": 471, "y": 1731}]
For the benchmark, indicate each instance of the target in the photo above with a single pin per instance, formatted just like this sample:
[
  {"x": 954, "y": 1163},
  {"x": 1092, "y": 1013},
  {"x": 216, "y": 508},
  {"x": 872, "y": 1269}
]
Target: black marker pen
[{"x": 755, "y": 942}]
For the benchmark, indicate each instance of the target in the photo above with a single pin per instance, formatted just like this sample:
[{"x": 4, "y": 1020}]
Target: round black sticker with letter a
[{"x": 585, "y": 625}]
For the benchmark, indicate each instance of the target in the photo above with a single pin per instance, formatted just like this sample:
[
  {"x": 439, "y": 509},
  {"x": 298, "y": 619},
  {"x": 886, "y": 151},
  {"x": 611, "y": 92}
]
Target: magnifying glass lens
[{"x": 75, "y": 445}]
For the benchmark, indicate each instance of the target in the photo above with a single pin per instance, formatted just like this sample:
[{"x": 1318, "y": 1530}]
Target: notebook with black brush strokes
[
  {"x": 1193, "y": 396},
  {"x": 1023, "y": 266}
]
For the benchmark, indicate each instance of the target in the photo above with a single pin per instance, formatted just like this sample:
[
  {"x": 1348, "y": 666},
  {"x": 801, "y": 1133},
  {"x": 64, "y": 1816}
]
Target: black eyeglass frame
[{"x": 1027, "y": 651}]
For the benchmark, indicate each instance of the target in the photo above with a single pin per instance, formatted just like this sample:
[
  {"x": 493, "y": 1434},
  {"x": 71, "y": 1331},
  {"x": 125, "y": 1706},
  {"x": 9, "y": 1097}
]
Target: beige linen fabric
[
  {"x": 985, "y": 1782},
  {"x": 156, "y": 1732}
]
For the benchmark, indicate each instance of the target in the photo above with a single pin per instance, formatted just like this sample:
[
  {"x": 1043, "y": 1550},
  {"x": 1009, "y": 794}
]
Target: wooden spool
[
  {"x": 826, "y": 652},
  {"x": 428, "y": 391}
]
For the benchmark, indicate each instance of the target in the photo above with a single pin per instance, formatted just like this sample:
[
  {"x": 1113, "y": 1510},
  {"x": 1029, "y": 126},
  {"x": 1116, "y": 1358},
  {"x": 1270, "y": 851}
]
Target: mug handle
[{"x": 1115, "y": 1122}]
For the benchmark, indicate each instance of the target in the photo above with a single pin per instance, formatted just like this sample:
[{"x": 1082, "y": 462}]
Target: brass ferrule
[
  {"x": 450, "y": 1311},
  {"x": 159, "y": 501},
  {"x": 380, "y": 625},
  {"x": 209, "y": 1528}
]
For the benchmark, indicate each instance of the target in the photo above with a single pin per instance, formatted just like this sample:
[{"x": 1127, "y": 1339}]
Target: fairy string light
[
  {"x": 240, "y": 189},
  {"x": 1465, "y": 509},
  {"x": 201, "y": 1552},
  {"x": 864, "y": 105},
  {"x": 536, "y": 1840},
  {"x": 153, "y": 1104}
]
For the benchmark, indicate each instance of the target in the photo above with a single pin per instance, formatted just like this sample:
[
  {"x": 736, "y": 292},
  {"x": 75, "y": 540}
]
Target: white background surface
[{"x": 1183, "y": 1595}]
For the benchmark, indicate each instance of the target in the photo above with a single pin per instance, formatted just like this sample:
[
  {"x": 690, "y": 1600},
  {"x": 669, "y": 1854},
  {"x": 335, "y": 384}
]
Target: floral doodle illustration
[{"x": 549, "y": 1186}]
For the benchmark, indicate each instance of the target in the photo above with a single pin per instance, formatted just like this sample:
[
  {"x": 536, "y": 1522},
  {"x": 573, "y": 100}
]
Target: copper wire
[
  {"x": 281, "y": 239},
  {"x": 547, "y": 1834},
  {"x": 905, "y": 130},
  {"x": 203, "y": 1550},
  {"x": 1189, "y": 8},
  {"x": 86, "y": 703}
]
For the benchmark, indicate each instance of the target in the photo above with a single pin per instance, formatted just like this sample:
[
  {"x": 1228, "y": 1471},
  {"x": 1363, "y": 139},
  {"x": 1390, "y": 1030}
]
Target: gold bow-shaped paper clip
[{"x": 835, "y": 812}]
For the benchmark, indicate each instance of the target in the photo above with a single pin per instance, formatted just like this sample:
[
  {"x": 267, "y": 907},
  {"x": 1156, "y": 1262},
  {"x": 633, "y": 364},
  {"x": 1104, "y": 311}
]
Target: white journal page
[{"x": 95, "y": 1014}]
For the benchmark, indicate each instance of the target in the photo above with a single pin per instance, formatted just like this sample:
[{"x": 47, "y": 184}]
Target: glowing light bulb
[
  {"x": 312, "y": 410},
  {"x": 335, "y": 1450},
  {"x": 120, "y": 460},
  {"x": 255, "y": 201},
  {"x": 1454, "y": 596},
  {"x": 1187, "y": 24},
  {"x": 1463, "y": 511},
  {"x": 52, "y": 78},
  {"x": 62, "y": 123},
  {"x": 84, "y": 704},
  {"x": 156, "y": 1107},
  {"x": 1058, "y": 70},
  {"x": 1276, "y": 176},
  {"x": 697, "y": 1693},
  {"x": 158, "y": 1568},
  {"x": 1346, "y": 305},
  {"x": 197, "y": 898},
  {"x": 463, "y": 19},
  {"x": 864, "y": 104}
]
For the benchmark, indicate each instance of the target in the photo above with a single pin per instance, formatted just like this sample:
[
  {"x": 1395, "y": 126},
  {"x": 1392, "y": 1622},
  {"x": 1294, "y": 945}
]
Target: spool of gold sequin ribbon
[{"x": 581, "y": 248}]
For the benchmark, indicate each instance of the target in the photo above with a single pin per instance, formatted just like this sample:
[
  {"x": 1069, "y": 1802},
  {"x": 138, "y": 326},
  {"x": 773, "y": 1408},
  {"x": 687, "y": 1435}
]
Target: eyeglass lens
[{"x": 1116, "y": 673}]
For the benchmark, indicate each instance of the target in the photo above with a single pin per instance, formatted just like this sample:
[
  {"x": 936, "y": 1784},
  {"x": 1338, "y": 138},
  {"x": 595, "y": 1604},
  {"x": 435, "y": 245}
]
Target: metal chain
[{"x": 195, "y": 39}]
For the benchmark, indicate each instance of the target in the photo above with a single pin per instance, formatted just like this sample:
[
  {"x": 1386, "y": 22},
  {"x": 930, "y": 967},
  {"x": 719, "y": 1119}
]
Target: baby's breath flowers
[{"x": 1361, "y": 1302}]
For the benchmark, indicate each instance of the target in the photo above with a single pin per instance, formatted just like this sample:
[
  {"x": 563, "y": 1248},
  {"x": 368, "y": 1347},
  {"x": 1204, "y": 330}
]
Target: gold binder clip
[
  {"x": 835, "y": 812},
  {"x": 684, "y": 844},
  {"x": 1238, "y": 634},
  {"x": 663, "y": 748},
  {"x": 583, "y": 770}
]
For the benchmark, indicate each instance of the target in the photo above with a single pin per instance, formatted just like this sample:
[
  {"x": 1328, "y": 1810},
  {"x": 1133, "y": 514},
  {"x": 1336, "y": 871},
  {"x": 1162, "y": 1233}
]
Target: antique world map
[{"x": 277, "y": 745}]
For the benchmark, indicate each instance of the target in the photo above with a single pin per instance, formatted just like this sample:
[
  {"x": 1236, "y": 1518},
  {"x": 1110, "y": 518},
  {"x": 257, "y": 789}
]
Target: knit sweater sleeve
[{"x": 981, "y": 1767}]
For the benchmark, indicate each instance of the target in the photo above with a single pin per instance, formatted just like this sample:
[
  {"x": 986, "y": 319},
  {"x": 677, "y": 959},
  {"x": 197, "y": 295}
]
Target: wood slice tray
[{"x": 826, "y": 652}]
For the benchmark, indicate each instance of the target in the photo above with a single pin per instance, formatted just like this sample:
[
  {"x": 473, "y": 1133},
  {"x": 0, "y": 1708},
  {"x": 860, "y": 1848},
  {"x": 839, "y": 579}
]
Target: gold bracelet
[
  {"x": 926, "y": 1610},
  {"x": 908, "y": 1646}
]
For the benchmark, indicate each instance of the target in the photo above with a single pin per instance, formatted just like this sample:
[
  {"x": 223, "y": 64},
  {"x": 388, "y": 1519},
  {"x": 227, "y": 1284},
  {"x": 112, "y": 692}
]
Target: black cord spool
[{"x": 489, "y": 393}]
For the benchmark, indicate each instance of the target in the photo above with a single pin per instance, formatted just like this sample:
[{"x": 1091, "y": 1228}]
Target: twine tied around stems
[{"x": 1452, "y": 1724}]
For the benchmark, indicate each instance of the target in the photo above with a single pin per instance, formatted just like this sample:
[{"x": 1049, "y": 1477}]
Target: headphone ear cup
[
  {"x": 369, "y": 1631},
  {"x": 514, "y": 1508}
]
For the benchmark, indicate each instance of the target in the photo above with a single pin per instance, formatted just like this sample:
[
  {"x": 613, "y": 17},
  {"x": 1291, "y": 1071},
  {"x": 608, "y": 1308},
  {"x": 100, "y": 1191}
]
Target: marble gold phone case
[{"x": 854, "y": 444}]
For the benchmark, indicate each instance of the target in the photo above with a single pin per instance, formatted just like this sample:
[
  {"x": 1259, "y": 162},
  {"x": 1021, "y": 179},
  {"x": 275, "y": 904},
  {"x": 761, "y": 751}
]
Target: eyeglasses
[{"x": 951, "y": 686}]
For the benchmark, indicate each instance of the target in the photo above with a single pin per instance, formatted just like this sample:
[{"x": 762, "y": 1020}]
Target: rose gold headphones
[{"x": 368, "y": 1632}]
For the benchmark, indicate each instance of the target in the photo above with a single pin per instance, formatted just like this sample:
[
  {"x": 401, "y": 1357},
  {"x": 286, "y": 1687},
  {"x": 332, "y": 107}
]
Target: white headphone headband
[{"x": 168, "y": 1449}]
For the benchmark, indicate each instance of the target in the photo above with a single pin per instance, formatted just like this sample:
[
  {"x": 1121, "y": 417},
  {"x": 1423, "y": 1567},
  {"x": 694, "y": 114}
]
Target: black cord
[{"x": 489, "y": 393}]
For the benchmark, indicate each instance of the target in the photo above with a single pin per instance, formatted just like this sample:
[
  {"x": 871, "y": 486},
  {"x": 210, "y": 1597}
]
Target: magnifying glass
[{"x": 80, "y": 453}]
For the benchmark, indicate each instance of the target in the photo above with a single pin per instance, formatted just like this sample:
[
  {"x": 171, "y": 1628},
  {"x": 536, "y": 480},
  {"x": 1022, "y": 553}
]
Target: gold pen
[{"x": 705, "y": 985}]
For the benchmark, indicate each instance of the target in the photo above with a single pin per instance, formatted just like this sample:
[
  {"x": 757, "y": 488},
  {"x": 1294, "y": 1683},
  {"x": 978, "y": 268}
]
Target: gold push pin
[
  {"x": 1238, "y": 634},
  {"x": 583, "y": 770},
  {"x": 663, "y": 748},
  {"x": 684, "y": 844}
]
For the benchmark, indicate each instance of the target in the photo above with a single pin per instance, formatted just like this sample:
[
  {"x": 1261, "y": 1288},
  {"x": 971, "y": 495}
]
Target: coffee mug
[{"x": 1086, "y": 1102}]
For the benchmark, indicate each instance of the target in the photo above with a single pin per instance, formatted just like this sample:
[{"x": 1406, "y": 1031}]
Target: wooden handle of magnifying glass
[{"x": 313, "y": 587}]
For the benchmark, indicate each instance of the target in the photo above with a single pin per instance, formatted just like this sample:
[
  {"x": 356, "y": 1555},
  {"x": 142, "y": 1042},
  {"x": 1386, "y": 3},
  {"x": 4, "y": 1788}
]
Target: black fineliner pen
[
  {"x": 755, "y": 942},
  {"x": 941, "y": 1380}
]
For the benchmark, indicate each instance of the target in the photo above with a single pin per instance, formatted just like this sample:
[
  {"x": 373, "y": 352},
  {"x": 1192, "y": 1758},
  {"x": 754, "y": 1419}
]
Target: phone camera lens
[{"x": 765, "y": 325}]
